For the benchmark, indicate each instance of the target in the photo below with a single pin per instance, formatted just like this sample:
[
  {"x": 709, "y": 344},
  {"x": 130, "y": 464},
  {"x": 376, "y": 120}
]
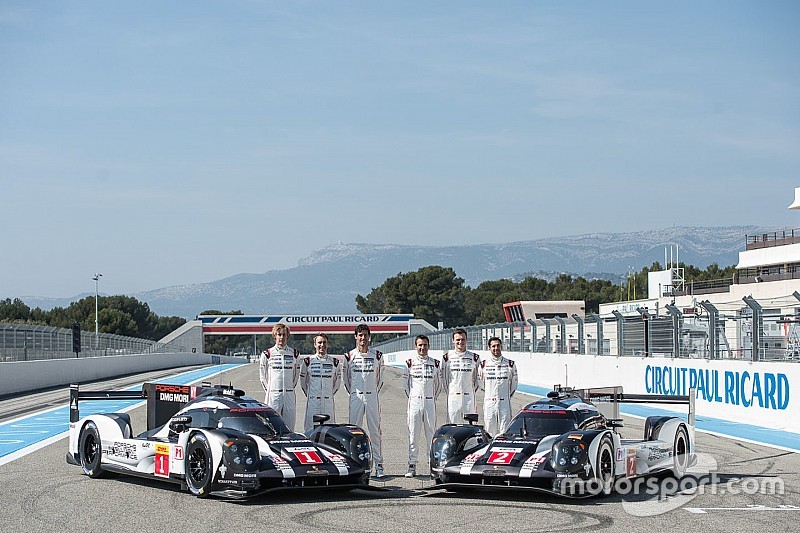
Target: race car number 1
[
  {"x": 306, "y": 455},
  {"x": 501, "y": 456},
  {"x": 162, "y": 460}
]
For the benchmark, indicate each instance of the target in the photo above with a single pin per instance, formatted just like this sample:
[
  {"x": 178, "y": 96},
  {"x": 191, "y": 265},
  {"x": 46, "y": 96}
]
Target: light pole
[{"x": 96, "y": 279}]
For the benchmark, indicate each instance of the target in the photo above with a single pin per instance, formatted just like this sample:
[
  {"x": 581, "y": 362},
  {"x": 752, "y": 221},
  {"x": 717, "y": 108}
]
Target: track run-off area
[{"x": 743, "y": 486}]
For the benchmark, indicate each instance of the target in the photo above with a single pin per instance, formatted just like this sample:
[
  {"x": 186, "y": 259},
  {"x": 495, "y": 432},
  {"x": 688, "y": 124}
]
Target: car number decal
[
  {"x": 630, "y": 465},
  {"x": 161, "y": 467},
  {"x": 501, "y": 456},
  {"x": 307, "y": 455}
]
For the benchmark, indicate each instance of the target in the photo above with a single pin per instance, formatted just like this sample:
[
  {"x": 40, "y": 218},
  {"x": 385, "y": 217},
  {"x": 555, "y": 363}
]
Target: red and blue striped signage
[{"x": 261, "y": 324}]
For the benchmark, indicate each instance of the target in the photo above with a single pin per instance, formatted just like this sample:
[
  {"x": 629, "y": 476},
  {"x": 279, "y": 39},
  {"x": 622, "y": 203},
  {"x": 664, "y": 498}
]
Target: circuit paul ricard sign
[{"x": 262, "y": 324}]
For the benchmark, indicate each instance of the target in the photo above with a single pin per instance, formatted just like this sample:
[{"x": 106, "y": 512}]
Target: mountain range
[{"x": 328, "y": 280}]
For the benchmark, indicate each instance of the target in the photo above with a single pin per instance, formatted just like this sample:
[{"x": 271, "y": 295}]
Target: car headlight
[
  {"x": 442, "y": 450},
  {"x": 241, "y": 454},
  {"x": 361, "y": 452},
  {"x": 569, "y": 457}
]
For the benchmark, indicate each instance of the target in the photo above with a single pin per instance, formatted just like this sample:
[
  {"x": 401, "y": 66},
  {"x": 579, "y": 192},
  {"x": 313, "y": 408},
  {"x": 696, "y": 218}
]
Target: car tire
[
  {"x": 199, "y": 470},
  {"x": 605, "y": 467},
  {"x": 680, "y": 453},
  {"x": 90, "y": 449}
]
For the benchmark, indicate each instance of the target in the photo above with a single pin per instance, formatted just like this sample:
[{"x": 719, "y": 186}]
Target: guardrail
[
  {"x": 772, "y": 238},
  {"x": 32, "y": 342},
  {"x": 675, "y": 336}
]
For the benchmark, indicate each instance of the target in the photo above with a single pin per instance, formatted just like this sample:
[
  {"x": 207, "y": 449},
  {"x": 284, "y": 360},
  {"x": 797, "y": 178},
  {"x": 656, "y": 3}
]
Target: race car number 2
[
  {"x": 501, "y": 456},
  {"x": 307, "y": 455}
]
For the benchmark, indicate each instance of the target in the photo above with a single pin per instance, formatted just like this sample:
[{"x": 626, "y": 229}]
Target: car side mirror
[
  {"x": 320, "y": 419},
  {"x": 179, "y": 424},
  {"x": 471, "y": 418}
]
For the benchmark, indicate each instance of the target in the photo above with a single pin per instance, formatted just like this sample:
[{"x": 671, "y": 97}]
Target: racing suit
[
  {"x": 320, "y": 378},
  {"x": 460, "y": 380},
  {"x": 422, "y": 383},
  {"x": 498, "y": 379},
  {"x": 363, "y": 379},
  {"x": 279, "y": 371}
]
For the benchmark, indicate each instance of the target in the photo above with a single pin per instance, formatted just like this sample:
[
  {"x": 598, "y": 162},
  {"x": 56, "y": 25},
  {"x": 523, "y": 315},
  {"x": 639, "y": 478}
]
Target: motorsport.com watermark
[
  {"x": 691, "y": 484},
  {"x": 655, "y": 495}
]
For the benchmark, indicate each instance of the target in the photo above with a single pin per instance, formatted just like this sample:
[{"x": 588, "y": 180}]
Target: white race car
[
  {"x": 563, "y": 444},
  {"x": 215, "y": 440}
]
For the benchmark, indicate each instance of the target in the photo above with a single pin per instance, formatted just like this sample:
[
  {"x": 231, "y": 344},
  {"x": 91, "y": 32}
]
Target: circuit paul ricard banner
[{"x": 759, "y": 393}]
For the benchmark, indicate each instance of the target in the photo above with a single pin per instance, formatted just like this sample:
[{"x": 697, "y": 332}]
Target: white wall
[
  {"x": 24, "y": 376},
  {"x": 186, "y": 338},
  {"x": 758, "y": 393}
]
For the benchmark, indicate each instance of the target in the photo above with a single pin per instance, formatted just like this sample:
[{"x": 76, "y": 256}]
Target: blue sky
[{"x": 165, "y": 143}]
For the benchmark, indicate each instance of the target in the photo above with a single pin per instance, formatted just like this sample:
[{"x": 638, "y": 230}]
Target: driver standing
[
  {"x": 498, "y": 379},
  {"x": 422, "y": 381},
  {"x": 279, "y": 371},
  {"x": 460, "y": 379},
  {"x": 363, "y": 379},
  {"x": 320, "y": 378}
]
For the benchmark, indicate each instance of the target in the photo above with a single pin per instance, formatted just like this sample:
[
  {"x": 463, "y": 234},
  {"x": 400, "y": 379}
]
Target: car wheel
[
  {"x": 91, "y": 451},
  {"x": 680, "y": 453},
  {"x": 605, "y": 467},
  {"x": 199, "y": 472}
]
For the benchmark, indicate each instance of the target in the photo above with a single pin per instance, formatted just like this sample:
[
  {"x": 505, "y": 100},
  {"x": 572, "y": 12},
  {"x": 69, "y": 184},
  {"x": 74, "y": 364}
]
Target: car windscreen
[
  {"x": 256, "y": 421},
  {"x": 541, "y": 424}
]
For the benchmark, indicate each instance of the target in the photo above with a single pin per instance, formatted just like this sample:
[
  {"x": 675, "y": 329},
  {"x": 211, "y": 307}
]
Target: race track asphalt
[{"x": 41, "y": 492}]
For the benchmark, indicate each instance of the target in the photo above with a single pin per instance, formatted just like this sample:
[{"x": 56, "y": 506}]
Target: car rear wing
[
  {"x": 76, "y": 395},
  {"x": 163, "y": 399},
  {"x": 613, "y": 396}
]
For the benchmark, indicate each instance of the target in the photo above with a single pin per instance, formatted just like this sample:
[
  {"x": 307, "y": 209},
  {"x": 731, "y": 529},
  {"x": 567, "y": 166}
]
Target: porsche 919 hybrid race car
[
  {"x": 564, "y": 445},
  {"x": 215, "y": 440}
]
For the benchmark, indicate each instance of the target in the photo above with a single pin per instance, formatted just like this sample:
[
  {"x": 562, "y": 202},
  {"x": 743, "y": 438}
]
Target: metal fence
[
  {"x": 30, "y": 342},
  {"x": 710, "y": 335}
]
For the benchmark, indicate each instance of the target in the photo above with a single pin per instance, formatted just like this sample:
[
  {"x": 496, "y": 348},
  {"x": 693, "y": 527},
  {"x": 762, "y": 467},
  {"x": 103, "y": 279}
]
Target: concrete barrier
[{"x": 26, "y": 376}]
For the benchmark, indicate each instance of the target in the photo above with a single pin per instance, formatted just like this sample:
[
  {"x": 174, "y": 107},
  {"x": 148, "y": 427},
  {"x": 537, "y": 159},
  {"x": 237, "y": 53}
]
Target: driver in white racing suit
[
  {"x": 460, "y": 379},
  {"x": 279, "y": 371},
  {"x": 422, "y": 382},
  {"x": 498, "y": 378},
  {"x": 320, "y": 378},
  {"x": 363, "y": 379}
]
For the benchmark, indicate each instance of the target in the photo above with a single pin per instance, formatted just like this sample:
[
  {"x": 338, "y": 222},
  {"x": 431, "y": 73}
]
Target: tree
[
  {"x": 484, "y": 303},
  {"x": 120, "y": 315},
  {"x": 375, "y": 302},
  {"x": 14, "y": 311},
  {"x": 432, "y": 293},
  {"x": 534, "y": 289},
  {"x": 115, "y": 320}
]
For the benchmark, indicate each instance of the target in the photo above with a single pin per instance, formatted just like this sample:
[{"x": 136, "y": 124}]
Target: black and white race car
[
  {"x": 564, "y": 445},
  {"x": 215, "y": 440}
]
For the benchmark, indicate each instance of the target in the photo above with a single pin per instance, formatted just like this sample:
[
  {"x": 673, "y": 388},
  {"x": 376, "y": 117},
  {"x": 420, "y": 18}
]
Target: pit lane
[{"x": 40, "y": 492}]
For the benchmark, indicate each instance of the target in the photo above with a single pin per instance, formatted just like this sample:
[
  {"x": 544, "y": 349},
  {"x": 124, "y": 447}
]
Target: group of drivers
[{"x": 459, "y": 374}]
